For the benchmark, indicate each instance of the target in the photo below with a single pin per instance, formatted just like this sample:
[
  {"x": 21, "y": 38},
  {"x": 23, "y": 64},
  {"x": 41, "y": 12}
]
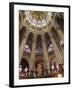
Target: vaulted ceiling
[{"x": 40, "y": 23}]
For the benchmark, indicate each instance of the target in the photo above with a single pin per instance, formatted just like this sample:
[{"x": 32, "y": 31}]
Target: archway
[
  {"x": 56, "y": 69},
  {"x": 24, "y": 69}
]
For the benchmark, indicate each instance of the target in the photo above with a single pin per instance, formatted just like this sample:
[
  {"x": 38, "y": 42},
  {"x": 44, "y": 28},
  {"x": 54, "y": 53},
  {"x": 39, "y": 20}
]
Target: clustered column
[
  {"x": 32, "y": 58},
  {"x": 56, "y": 50},
  {"x": 22, "y": 21},
  {"x": 45, "y": 54},
  {"x": 21, "y": 49},
  {"x": 61, "y": 34}
]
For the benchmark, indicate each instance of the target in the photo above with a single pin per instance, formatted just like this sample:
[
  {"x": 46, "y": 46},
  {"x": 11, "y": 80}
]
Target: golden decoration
[{"x": 39, "y": 15}]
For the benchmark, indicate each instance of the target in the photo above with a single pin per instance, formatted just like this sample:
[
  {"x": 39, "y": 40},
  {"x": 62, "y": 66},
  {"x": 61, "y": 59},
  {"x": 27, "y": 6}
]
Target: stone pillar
[
  {"x": 60, "y": 33},
  {"x": 56, "y": 50},
  {"x": 22, "y": 21},
  {"x": 21, "y": 49},
  {"x": 32, "y": 58},
  {"x": 45, "y": 54}
]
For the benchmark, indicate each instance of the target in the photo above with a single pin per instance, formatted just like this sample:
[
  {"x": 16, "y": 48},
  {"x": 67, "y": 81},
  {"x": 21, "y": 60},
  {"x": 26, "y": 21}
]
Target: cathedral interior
[{"x": 41, "y": 44}]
